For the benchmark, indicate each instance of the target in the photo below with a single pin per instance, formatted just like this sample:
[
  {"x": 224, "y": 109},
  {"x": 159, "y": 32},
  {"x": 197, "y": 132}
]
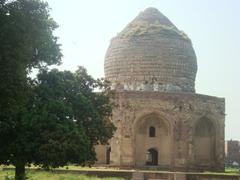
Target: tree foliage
[
  {"x": 72, "y": 115},
  {"x": 56, "y": 118},
  {"x": 26, "y": 42}
]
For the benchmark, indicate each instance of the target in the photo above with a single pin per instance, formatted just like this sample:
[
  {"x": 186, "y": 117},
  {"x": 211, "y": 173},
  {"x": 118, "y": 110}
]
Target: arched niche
[
  {"x": 144, "y": 140},
  {"x": 204, "y": 141}
]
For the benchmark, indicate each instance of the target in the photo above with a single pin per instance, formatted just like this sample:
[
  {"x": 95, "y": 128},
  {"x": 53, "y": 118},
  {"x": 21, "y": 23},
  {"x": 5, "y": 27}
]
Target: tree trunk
[{"x": 20, "y": 171}]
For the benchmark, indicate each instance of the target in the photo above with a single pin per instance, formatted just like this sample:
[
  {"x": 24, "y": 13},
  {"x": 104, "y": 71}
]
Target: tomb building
[{"x": 161, "y": 121}]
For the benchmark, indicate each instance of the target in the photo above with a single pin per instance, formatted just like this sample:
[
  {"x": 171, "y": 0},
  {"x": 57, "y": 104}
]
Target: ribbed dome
[{"x": 151, "y": 54}]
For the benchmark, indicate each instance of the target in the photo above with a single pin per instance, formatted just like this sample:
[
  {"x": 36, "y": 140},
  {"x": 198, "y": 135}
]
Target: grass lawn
[
  {"x": 232, "y": 170},
  {"x": 41, "y": 175}
]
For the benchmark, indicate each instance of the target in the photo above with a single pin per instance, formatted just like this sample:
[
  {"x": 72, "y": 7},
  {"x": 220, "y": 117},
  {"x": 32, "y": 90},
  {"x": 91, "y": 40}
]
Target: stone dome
[{"x": 151, "y": 54}]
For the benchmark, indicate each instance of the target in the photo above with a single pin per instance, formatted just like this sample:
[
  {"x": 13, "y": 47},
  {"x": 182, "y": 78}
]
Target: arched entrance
[
  {"x": 204, "y": 141},
  {"x": 152, "y": 157},
  {"x": 152, "y": 131}
]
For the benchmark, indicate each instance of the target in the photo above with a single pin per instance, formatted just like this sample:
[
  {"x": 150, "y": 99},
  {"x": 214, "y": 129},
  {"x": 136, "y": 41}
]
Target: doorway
[
  {"x": 108, "y": 152},
  {"x": 152, "y": 157}
]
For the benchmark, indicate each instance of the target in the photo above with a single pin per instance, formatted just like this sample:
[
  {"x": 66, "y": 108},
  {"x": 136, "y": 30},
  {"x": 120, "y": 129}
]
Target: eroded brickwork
[
  {"x": 161, "y": 122},
  {"x": 177, "y": 117},
  {"x": 151, "y": 55}
]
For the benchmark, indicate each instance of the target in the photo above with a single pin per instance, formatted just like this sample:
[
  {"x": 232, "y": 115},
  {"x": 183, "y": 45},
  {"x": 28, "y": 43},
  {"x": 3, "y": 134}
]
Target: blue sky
[{"x": 87, "y": 26}]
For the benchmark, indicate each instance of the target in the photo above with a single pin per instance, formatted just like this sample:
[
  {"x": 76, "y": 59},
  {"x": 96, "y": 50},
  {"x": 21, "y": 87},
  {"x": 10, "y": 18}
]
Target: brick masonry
[{"x": 152, "y": 67}]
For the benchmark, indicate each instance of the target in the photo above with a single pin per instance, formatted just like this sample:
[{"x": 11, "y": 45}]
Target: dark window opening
[{"x": 152, "y": 132}]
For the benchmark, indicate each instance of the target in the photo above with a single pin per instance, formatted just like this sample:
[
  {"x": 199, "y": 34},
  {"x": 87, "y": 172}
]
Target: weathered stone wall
[
  {"x": 181, "y": 113},
  {"x": 161, "y": 141},
  {"x": 152, "y": 66},
  {"x": 101, "y": 154}
]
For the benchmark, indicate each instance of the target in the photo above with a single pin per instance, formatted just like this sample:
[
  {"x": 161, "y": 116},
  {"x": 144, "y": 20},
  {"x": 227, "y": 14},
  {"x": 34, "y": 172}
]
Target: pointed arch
[
  {"x": 205, "y": 141},
  {"x": 144, "y": 129}
]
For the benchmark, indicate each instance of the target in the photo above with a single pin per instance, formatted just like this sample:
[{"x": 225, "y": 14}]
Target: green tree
[
  {"x": 26, "y": 42},
  {"x": 71, "y": 117},
  {"x": 56, "y": 118}
]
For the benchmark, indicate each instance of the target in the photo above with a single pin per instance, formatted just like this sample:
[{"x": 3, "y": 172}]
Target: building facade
[
  {"x": 161, "y": 122},
  {"x": 232, "y": 153}
]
